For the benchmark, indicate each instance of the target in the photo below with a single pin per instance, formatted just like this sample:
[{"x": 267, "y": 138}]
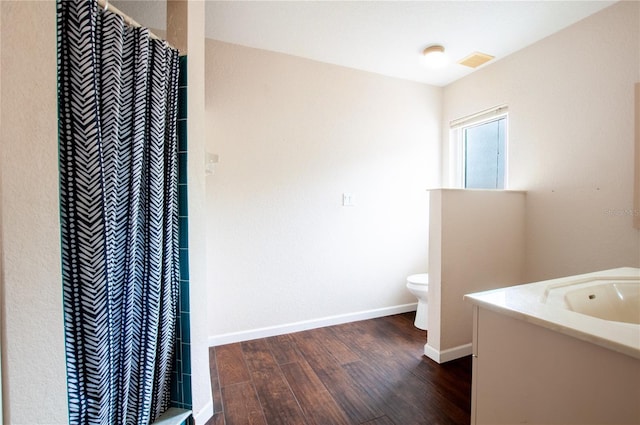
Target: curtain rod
[{"x": 104, "y": 4}]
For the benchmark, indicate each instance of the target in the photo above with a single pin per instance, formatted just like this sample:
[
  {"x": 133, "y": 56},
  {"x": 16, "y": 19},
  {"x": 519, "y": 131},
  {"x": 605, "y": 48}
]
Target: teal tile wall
[{"x": 181, "y": 375}]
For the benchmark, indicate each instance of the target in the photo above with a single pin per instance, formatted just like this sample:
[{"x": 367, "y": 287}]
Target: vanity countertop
[{"x": 528, "y": 302}]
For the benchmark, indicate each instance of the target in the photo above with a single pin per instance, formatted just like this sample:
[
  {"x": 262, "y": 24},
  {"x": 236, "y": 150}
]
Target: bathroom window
[{"x": 479, "y": 144}]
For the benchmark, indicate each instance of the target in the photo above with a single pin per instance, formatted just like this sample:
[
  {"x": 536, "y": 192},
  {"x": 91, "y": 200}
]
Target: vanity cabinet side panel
[
  {"x": 474, "y": 365},
  {"x": 636, "y": 182},
  {"x": 528, "y": 374}
]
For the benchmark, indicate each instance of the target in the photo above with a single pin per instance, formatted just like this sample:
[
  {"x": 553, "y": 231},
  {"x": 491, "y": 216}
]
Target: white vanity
[{"x": 537, "y": 361}]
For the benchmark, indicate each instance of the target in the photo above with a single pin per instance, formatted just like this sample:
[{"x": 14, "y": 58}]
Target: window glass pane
[{"x": 484, "y": 147}]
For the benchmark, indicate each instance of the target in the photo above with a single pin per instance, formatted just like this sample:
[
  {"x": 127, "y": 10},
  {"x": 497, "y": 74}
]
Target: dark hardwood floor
[{"x": 370, "y": 372}]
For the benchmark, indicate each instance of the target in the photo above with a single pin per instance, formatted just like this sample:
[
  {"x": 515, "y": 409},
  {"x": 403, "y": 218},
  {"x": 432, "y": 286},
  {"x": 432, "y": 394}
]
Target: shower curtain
[{"x": 117, "y": 102}]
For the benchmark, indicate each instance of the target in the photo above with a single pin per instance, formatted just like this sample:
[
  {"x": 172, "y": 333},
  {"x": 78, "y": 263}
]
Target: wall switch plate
[{"x": 347, "y": 200}]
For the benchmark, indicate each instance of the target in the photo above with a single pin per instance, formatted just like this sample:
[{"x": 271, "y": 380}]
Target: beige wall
[
  {"x": 570, "y": 99},
  {"x": 479, "y": 239},
  {"x": 292, "y": 135},
  {"x": 198, "y": 287},
  {"x": 636, "y": 195},
  {"x": 34, "y": 383}
]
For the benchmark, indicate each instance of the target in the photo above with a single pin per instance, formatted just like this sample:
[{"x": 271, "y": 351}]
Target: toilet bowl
[{"x": 418, "y": 285}]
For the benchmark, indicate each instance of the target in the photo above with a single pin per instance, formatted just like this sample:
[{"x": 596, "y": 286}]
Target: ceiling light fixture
[{"x": 434, "y": 56}]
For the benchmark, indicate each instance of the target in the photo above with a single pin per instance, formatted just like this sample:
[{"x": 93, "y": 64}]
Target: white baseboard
[
  {"x": 204, "y": 414},
  {"x": 448, "y": 354},
  {"x": 232, "y": 337}
]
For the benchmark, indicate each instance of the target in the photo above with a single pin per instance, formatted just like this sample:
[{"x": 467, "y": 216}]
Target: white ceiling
[{"x": 385, "y": 37}]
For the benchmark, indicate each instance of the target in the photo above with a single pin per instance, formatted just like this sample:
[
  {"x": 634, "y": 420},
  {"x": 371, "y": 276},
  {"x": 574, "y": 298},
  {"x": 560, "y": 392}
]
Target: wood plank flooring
[{"x": 370, "y": 372}]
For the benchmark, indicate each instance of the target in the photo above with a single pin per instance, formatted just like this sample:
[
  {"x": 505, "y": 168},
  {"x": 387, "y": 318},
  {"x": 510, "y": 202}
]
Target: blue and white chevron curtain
[{"x": 117, "y": 101}]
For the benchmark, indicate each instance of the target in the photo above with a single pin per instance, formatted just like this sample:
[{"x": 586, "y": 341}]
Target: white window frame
[{"x": 456, "y": 142}]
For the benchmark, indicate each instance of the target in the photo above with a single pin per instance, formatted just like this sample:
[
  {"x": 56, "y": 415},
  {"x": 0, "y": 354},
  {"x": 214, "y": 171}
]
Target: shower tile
[
  {"x": 183, "y": 198},
  {"x": 187, "y": 389},
  {"x": 176, "y": 393},
  {"x": 182, "y": 102},
  {"x": 182, "y": 168},
  {"x": 181, "y": 378},
  {"x": 182, "y": 135},
  {"x": 178, "y": 330},
  {"x": 183, "y": 232},
  {"x": 184, "y": 295},
  {"x": 182, "y": 78},
  {"x": 184, "y": 264},
  {"x": 186, "y": 332},
  {"x": 186, "y": 352}
]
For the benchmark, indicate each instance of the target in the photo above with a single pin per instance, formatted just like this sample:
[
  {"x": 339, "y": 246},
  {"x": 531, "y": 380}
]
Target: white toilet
[{"x": 418, "y": 285}]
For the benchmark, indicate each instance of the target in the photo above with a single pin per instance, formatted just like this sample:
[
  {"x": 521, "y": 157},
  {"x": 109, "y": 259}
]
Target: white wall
[
  {"x": 292, "y": 135},
  {"x": 570, "y": 99},
  {"x": 34, "y": 375}
]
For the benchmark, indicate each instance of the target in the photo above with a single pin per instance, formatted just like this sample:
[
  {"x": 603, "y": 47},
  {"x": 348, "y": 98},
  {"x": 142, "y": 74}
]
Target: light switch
[{"x": 347, "y": 200}]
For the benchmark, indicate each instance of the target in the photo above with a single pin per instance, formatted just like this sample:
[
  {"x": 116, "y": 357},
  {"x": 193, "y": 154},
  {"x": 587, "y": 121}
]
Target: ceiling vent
[{"x": 475, "y": 59}]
